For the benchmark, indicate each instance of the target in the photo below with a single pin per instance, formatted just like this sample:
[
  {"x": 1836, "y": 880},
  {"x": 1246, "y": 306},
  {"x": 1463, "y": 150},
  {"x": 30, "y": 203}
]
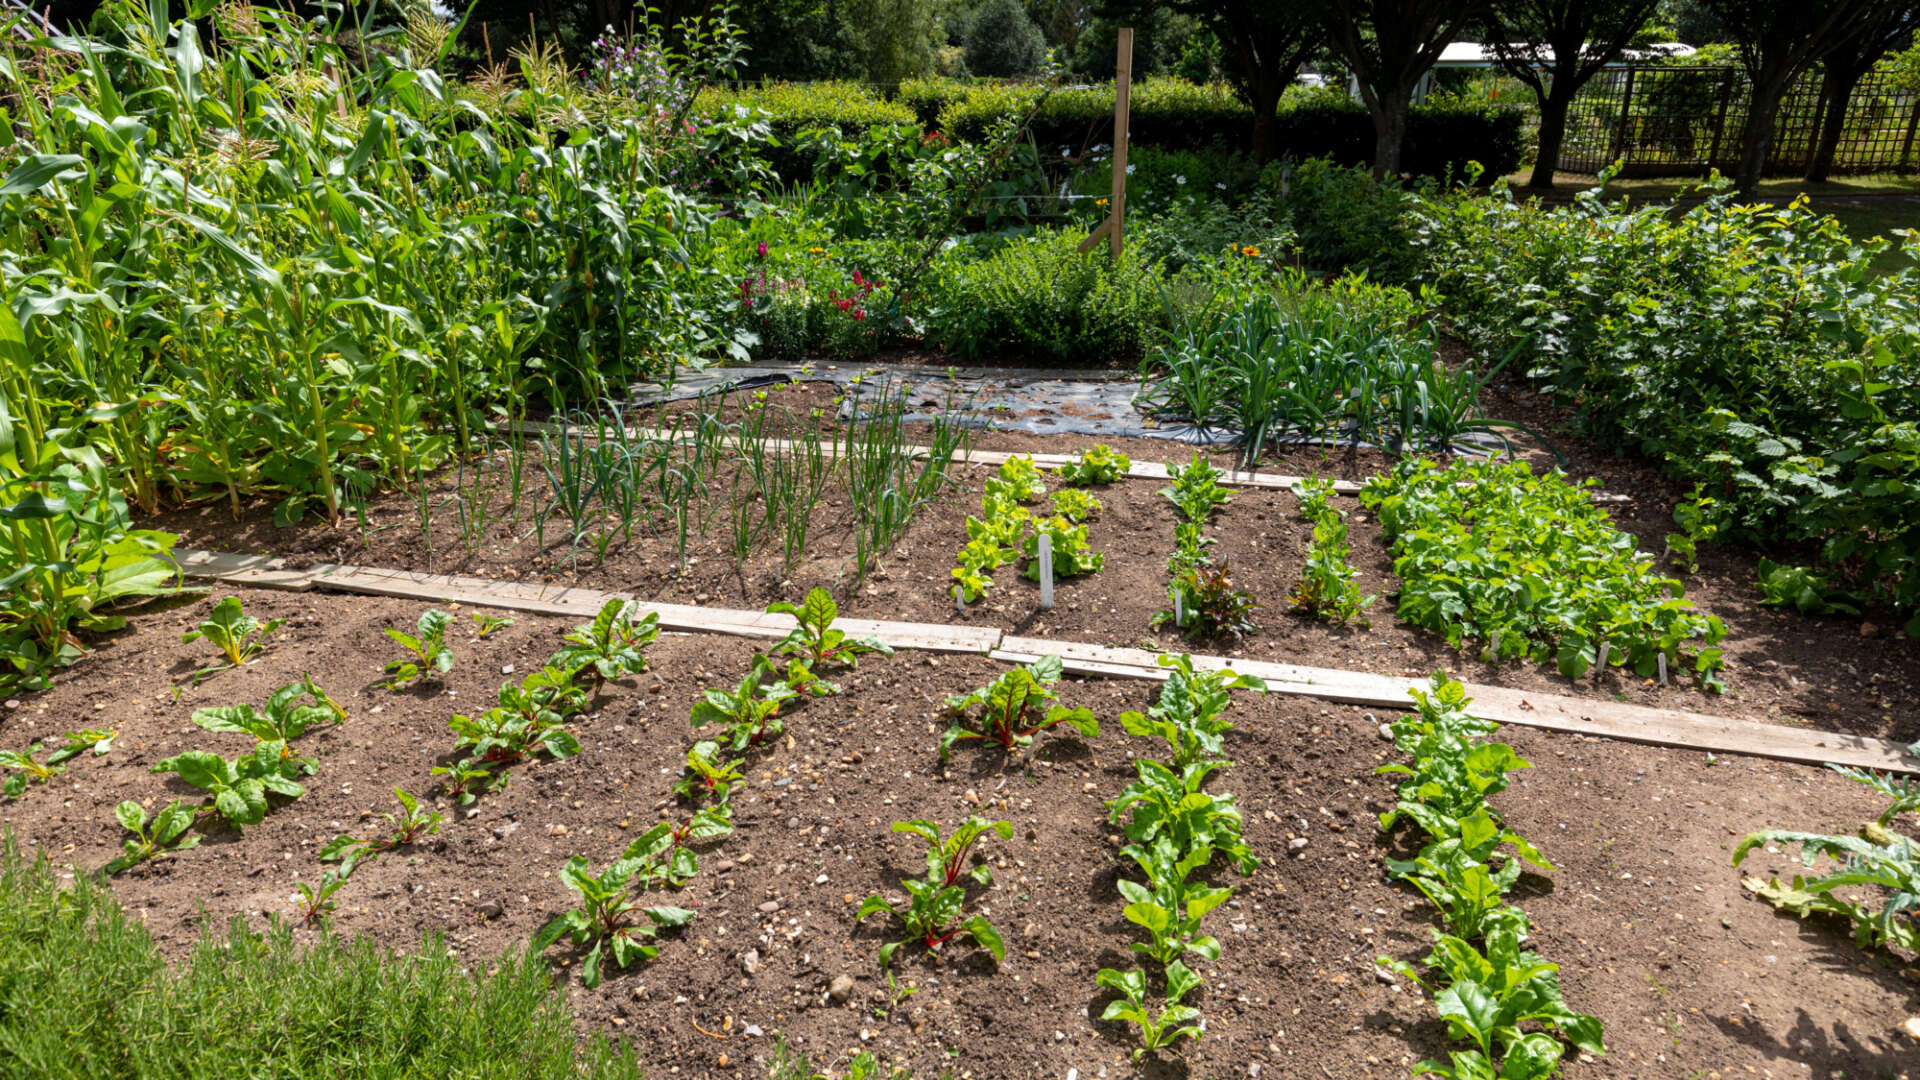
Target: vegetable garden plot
[{"x": 768, "y": 937}]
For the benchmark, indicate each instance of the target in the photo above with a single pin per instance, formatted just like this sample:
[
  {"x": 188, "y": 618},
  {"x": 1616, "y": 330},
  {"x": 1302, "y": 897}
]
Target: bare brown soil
[
  {"x": 1782, "y": 667},
  {"x": 1692, "y": 977}
]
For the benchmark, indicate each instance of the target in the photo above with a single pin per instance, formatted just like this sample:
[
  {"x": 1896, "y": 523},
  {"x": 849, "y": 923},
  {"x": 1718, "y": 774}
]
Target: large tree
[
  {"x": 1779, "y": 41},
  {"x": 1891, "y": 30},
  {"x": 1390, "y": 45},
  {"x": 1263, "y": 43},
  {"x": 1555, "y": 47}
]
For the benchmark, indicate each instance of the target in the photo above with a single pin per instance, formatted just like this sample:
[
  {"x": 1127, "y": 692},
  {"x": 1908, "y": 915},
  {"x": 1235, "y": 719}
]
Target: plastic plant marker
[{"x": 1046, "y": 572}]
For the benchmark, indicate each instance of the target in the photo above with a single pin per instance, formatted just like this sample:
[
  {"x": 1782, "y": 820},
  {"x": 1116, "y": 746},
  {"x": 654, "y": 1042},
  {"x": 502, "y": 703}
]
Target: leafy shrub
[
  {"x": 1748, "y": 347},
  {"x": 1039, "y": 297},
  {"x": 791, "y": 108},
  {"x": 1344, "y": 219},
  {"x": 1490, "y": 552}
]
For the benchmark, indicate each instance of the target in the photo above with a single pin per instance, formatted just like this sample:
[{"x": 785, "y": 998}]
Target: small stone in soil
[{"x": 840, "y": 988}]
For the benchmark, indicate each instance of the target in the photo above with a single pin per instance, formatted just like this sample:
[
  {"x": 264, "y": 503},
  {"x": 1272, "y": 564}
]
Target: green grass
[
  {"x": 85, "y": 992},
  {"x": 1781, "y": 188}
]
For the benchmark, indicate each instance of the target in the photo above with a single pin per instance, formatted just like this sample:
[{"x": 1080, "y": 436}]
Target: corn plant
[
  {"x": 1170, "y": 1025},
  {"x": 934, "y": 912},
  {"x": 611, "y": 644},
  {"x": 406, "y": 827},
  {"x": 163, "y": 836},
  {"x": 239, "y": 636},
  {"x": 428, "y": 648},
  {"x": 1013, "y": 709},
  {"x": 813, "y": 637},
  {"x": 606, "y": 919}
]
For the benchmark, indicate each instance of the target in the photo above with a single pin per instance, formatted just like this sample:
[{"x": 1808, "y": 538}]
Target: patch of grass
[{"x": 85, "y": 992}]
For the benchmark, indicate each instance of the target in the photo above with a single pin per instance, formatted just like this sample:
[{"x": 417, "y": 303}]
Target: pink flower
[{"x": 761, "y": 251}]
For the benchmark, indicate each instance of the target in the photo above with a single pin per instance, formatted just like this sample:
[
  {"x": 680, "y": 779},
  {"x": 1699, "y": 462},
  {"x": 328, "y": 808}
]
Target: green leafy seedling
[
  {"x": 709, "y": 775},
  {"x": 750, "y": 712},
  {"x": 464, "y": 780},
  {"x": 408, "y": 826},
  {"x": 429, "y": 649},
  {"x": 239, "y": 787},
  {"x": 1156, "y": 1032},
  {"x": 239, "y": 635},
  {"x": 934, "y": 913},
  {"x": 283, "y": 720},
  {"x": 1098, "y": 464},
  {"x": 28, "y": 769},
  {"x": 815, "y": 640},
  {"x": 1013, "y": 709},
  {"x": 313, "y": 904},
  {"x": 485, "y": 623},
  {"x": 164, "y": 836},
  {"x": 605, "y": 919},
  {"x": 1190, "y": 714},
  {"x": 611, "y": 644}
]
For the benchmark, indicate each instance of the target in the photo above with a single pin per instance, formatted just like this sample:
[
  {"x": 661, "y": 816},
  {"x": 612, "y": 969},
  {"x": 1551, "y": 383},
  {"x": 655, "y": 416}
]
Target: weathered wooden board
[
  {"x": 1554, "y": 712},
  {"x": 252, "y": 571}
]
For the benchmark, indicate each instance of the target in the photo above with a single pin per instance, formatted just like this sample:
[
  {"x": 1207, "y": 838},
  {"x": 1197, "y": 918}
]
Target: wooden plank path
[{"x": 1551, "y": 712}]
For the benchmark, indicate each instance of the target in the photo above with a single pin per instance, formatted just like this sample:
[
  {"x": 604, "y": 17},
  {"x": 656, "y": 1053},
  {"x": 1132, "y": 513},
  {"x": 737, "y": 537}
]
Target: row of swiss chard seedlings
[
  {"x": 1491, "y": 992},
  {"x": 749, "y": 719},
  {"x": 1327, "y": 589},
  {"x": 1174, "y": 831},
  {"x": 1205, "y": 603}
]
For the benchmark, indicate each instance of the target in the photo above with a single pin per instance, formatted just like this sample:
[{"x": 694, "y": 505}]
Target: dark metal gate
[{"x": 1682, "y": 121}]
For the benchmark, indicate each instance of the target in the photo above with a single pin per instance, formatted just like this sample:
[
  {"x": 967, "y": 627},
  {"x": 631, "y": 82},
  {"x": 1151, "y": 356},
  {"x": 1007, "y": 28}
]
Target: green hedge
[{"x": 791, "y": 108}]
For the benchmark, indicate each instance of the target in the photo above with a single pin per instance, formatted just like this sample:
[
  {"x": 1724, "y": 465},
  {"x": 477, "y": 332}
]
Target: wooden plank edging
[{"x": 1550, "y": 712}]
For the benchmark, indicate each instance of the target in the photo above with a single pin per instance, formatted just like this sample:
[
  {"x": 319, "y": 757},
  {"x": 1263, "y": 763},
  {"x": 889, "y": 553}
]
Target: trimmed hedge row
[{"x": 1165, "y": 113}]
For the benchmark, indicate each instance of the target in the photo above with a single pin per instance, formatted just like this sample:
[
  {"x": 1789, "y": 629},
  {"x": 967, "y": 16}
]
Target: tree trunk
[
  {"x": 1389, "y": 130},
  {"x": 1265, "y": 96},
  {"x": 1553, "y": 135},
  {"x": 1757, "y": 137},
  {"x": 1838, "y": 86}
]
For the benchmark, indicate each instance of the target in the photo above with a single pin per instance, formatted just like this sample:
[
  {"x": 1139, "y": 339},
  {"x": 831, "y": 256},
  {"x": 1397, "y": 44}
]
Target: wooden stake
[{"x": 1122, "y": 83}]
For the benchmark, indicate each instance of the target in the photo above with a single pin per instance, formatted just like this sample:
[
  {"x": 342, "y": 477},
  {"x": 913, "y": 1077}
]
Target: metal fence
[{"x": 1681, "y": 121}]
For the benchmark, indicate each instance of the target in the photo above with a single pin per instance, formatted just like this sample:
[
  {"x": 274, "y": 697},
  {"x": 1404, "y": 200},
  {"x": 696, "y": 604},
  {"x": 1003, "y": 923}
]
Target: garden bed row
[{"x": 774, "y": 946}]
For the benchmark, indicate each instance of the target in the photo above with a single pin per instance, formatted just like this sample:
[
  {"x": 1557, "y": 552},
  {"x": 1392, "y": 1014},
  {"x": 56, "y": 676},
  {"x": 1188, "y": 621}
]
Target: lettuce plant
[
  {"x": 1156, "y": 1032},
  {"x": 815, "y": 640},
  {"x": 1494, "y": 1000},
  {"x": 1168, "y": 802},
  {"x": 1072, "y": 554},
  {"x": 428, "y": 648},
  {"x": 1013, "y": 709},
  {"x": 1214, "y": 606},
  {"x": 1097, "y": 464},
  {"x": 165, "y": 835},
  {"x": 1019, "y": 479},
  {"x": 934, "y": 913},
  {"x": 610, "y": 644},
  {"x": 239, "y": 787},
  {"x": 606, "y": 918},
  {"x": 1074, "y": 505},
  {"x": 1190, "y": 713},
  {"x": 406, "y": 827},
  {"x": 1172, "y": 904},
  {"x": 238, "y": 635}
]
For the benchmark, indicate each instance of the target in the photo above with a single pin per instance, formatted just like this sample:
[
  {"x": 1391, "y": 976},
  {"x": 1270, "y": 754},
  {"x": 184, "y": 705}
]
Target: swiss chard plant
[
  {"x": 313, "y": 903},
  {"x": 28, "y": 768},
  {"x": 749, "y": 714},
  {"x": 1157, "y": 1031},
  {"x": 1097, "y": 464},
  {"x": 413, "y": 822},
  {"x": 609, "y": 921},
  {"x": 485, "y": 624},
  {"x": 611, "y": 644},
  {"x": 239, "y": 636},
  {"x": 1196, "y": 489},
  {"x": 163, "y": 836},
  {"x": 239, "y": 787},
  {"x": 935, "y": 910},
  {"x": 1326, "y": 589},
  {"x": 1191, "y": 712},
  {"x": 814, "y": 638},
  {"x": 427, "y": 649},
  {"x": 290, "y": 712},
  {"x": 1012, "y": 709},
  {"x": 709, "y": 774},
  {"x": 665, "y": 854}
]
